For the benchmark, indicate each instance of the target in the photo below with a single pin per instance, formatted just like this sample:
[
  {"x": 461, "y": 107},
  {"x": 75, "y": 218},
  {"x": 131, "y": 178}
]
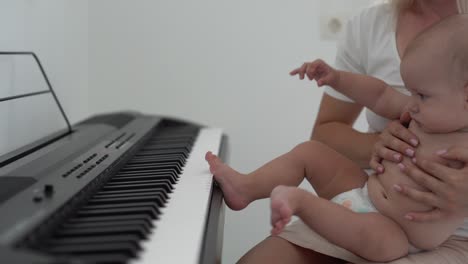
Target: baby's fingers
[
  {"x": 325, "y": 80},
  {"x": 311, "y": 71},
  {"x": 301, "y": 71},
  {"x": 277, "y": 228},
  {"x": 295, "y": 71},
  {"x": 375, "y": 164}
]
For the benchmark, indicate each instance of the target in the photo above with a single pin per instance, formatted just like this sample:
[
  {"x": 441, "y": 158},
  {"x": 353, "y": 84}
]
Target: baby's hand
[{"x": 317, "y": 70}]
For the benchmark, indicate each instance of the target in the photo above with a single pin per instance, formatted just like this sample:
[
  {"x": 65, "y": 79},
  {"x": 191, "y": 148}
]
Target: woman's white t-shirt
[{"x": 368, "y": 46}]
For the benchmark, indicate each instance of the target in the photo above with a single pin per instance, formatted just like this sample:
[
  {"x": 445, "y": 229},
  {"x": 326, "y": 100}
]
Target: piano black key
[
  {"x": 146, "y": 160},
  {"x": 147, "y": 190},
  {"x": 152, "y": 167},
  {"x": 150, "y": 211},
  {"x": 114, "y": 258},
  {"x": 154, "y": 173},
  {"x": 171, "y": 146},
  {"x": 125, "y": 194},
  {"x": 94, "y": 239},
  {"x": 155, "y": 198},
  {"x": 150, "y": 181},
  {"x": 152, "y": 164},
  {"x": 82, "y": 219},
  {"x": 173, "y": 135},
  {"x": 144, "y": 153},
  {"x": 126, "y": 248},
  {"x": 187, "y": 140},
  {"x": 137, "y": 178},
  {"x": 120, "y": 205},
  {"x": 164, "y": 185},
  {"x": 147, "y": 226},
  {"x": 97, "y": 231}
]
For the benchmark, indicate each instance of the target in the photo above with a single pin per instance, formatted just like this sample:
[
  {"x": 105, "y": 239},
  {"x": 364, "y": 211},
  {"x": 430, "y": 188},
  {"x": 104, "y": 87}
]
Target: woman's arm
[
  {"x": 334, "y": 127},
  {"x": 393, "y": 142}
]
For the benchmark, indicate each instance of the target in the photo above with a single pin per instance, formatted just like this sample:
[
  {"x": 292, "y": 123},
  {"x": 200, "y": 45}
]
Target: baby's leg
[
  {"x": 369, "y": 235},
  {"x": 328, "y": 171}
]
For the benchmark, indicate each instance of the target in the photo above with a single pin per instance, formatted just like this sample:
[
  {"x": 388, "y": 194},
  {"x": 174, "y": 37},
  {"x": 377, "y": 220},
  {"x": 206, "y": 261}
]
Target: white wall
[
  {"x": 220, "y": 63},
  {"x": 57, "y": 31},
  {"x": 215, "y": 62}
]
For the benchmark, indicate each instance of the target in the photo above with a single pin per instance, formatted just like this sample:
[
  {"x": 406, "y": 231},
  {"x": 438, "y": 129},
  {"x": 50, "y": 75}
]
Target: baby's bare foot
[
  {"x": 231, "y": 182},
  {"x": 283, "y": 206}
]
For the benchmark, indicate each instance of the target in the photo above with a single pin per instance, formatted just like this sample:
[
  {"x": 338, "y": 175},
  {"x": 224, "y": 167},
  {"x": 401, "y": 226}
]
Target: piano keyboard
[
  {"x": 182, "y": 224},
  {"x": 153, "y": 207}
]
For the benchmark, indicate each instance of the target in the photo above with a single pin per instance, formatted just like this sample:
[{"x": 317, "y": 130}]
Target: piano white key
[{"x": 178, "y": 234}]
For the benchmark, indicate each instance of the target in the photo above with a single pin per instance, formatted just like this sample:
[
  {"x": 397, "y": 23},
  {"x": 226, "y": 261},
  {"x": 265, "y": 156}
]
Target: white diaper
[{"x": 356, "y": 200}]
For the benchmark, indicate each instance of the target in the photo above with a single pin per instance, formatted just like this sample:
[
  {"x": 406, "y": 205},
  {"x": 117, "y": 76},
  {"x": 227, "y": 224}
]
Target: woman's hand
[
  {"x": 394, "y": 141},
  {"x": 317, "y": 70},
  {"x": 447, "y": 187}
]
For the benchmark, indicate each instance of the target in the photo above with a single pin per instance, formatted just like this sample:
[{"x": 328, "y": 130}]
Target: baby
[{"x": 364, "y": 214}]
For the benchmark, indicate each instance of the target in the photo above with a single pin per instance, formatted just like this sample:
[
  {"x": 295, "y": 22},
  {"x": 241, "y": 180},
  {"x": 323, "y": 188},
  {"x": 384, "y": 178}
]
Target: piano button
[{"x": 37, "y": 198}]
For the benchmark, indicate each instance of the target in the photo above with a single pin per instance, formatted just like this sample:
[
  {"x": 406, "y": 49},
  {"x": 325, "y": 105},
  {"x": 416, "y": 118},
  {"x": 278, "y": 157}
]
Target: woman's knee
[
  {"x": 383, "y": 243},
  {"x": 275, "y": 249}
]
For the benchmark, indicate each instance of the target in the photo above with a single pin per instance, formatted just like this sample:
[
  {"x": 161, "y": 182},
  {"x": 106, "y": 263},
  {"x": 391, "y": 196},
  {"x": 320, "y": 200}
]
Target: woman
[{"x": 373, "y": 44}]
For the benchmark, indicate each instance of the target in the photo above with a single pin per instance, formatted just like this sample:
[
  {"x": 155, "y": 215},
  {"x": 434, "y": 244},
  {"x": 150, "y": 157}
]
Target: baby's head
[{"x": 434, "y": 69}]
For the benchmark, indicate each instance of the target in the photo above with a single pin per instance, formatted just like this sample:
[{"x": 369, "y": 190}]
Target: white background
[{"x": 215, "y": 62}]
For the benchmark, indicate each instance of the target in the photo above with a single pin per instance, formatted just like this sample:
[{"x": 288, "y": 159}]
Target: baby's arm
[{"x": 365, "y": 90}]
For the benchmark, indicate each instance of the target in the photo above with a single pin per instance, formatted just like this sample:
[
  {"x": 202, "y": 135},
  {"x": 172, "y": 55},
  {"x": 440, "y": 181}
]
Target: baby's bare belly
[
  {"x": 386, "y": 199},
  {"x": 423, "y": 235}
]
